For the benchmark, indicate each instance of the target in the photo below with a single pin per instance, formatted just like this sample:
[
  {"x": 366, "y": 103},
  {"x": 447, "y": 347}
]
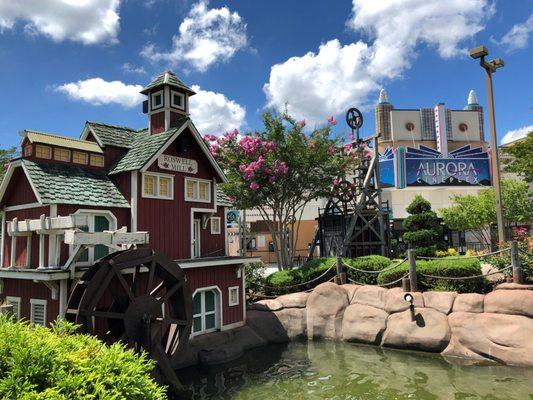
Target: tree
[
  {"x": 424, "y": 232},
  {"x": 477, "y": 213},
  {"x": 521, "y": 157},
  {"x": 5, "y": 157},
  {"x": 278, "y": 171}
]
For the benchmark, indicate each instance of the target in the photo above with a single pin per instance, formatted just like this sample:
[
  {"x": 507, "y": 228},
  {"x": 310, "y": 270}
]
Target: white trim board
[{"x": 212, "y": 263}]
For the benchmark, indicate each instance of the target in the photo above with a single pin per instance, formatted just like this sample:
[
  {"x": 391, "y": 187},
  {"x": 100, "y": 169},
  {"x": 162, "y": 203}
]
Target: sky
[{"x": 63, "y": 62}]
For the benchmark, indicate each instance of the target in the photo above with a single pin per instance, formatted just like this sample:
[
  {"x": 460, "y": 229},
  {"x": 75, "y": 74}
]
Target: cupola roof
[{"x": 167, "y": 78}]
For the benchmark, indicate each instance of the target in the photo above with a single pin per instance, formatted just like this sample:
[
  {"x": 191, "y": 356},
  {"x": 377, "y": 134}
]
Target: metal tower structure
[{"x": 355, "y": 220}]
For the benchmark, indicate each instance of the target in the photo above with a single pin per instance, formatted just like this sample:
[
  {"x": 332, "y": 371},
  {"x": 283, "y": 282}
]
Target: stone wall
[{"x": 495, "y": 327}]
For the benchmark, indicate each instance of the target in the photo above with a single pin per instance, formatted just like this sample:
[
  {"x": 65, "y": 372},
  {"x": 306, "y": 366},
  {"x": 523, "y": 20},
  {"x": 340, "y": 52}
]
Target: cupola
[{"x": 167, "y": 103}]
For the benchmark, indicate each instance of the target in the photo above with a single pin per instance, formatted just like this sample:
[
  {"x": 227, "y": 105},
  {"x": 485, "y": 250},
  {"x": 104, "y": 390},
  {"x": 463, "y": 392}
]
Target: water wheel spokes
[{"x": 139, "y": 297}]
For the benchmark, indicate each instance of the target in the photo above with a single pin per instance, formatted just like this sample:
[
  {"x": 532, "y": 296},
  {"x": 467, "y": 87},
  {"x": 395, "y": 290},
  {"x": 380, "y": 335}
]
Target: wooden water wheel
[{"x": 139, "y": 297}]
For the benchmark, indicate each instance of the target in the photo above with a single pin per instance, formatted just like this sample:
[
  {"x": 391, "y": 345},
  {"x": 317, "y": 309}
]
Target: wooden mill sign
[{"x": 178, "y": 164}]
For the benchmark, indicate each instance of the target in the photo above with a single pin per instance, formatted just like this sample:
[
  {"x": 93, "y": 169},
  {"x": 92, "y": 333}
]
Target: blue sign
[{"x": 424, "y": 166}]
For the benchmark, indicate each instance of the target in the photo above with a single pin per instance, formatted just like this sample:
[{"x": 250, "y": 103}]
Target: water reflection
[{"x": 328, "y": 370}]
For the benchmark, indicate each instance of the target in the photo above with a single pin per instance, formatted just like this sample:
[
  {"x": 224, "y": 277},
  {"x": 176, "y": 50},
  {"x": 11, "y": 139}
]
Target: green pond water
[{"x": 327, "y": 370}]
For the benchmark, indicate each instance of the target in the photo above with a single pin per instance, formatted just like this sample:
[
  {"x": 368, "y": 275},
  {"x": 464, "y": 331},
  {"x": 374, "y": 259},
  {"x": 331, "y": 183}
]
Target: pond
[{"x": 328, "y": 370}]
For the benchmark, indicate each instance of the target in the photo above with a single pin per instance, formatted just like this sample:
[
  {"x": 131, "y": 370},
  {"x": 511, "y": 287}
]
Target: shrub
[
  {"x": 367, "y": 263},
  {"x": 450, "y": 268},
  {"x": 39, "y": 363},
  {"x": 255, "y": 279},
  {"x": 503, "y": 260}
]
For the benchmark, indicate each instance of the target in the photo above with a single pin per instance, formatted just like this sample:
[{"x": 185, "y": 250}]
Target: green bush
[
  {"x": 255, "y": 279},
  {"x": 39, "y": 363},
  {"x": 367, "y": 263},
  {"x": 442, "y": 267},
  {"x": 503, "y": 260}
]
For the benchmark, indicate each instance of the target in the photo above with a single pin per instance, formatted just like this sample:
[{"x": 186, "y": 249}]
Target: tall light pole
[{"x": 490, "y": 67}]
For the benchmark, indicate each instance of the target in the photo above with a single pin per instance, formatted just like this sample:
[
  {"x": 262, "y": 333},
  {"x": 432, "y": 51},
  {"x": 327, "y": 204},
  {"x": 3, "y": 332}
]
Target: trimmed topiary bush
[
  {"x": 41, "y": 363},
  {"x": 441, "y": 267},
  {"x": 367, "y": 263}
]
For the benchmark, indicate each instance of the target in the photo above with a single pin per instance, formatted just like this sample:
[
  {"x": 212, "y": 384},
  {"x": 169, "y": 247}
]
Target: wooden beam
[
  {"x": 74, "y": 237},
  {"x": 48, "y": 224}
]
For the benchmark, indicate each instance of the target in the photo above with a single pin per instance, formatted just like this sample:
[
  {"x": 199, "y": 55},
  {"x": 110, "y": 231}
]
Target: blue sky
[{"x": 62, "y": 65}]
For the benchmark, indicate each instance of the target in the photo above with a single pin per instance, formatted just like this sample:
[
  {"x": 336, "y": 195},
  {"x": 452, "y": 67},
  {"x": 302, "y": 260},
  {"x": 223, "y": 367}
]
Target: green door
[{"x": 100, "y": 224}]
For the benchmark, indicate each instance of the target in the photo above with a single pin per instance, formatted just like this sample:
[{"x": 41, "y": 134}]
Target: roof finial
[
  {"x": 472, "y": 98},
  {"x": 383, "y": 98}
]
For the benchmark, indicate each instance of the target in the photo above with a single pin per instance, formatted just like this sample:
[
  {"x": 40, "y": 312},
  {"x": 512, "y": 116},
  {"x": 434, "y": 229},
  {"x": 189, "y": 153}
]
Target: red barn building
[{"x": 161, "y": 180}]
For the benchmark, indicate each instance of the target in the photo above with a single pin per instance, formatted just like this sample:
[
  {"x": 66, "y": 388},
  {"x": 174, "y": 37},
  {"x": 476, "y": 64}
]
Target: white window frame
[
  {"x": 40, "y": 302},
  {"x": 156, "y": 186},
  {"x": 215, "y": 231},
  {"x": 217, "y": 311},
  {"x": 91, "y": 214},
  {"x": 197, "y": 190},
  {"x": 233, "y": 303},
  {"x": 14, "y": 300},
  {"x": 154, "y": 107},
  {"x": 172, "y": 104}
]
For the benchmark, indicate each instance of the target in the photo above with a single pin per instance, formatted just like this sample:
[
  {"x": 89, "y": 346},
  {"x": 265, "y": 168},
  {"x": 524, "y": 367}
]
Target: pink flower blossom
[
  {"x": 330, "y": 150},
  {"x": 301, "y": 123},
  {"x": 272, "y": 179},
  {"x": 311, "y": 145},
  {"x": 367, "y": 153},
  {"x": 335, "y": 182},
  {"x": 254, "y": 186},
  {"x": 347, "y": 148},
  {"x": 210, "y": 138},
  {"x": 214, "y": 148},
  {"x": 332, "y": 120}
]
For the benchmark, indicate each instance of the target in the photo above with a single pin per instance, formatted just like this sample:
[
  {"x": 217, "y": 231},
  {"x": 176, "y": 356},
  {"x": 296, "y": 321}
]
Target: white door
[{"x": 196, "y": 238}]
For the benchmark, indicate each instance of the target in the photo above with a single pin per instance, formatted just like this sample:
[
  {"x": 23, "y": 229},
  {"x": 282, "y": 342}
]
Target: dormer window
[
  {"x": 157, "y": 100},
  {"x": 43, "y": 151},
  {"x": 61, "y": 154},
  {"x": 177, "y": 100},
  {"x": 97, "y": 160},
  {"x": 80, "y": 157}
]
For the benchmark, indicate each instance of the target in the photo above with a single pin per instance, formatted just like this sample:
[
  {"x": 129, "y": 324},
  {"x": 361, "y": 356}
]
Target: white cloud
[
  {"x": 516, "y": 134},
  {"x": 206, "y": 36},
  {"x": 327, "y": 82},
  {"x": 133, "y": 69},
  {"x": 214, "y": 113},
  {"x": 518, "y": 36},
  {"x": 85, "y": 21},
  {"x": 97, "y": 92}
]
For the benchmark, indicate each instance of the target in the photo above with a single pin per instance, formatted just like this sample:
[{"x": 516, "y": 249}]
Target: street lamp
[{"x": 490, "y": 67}]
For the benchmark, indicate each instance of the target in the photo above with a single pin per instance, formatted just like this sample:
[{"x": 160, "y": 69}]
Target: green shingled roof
[
  {"x": 111, "y": 135},
  {"x": 222, "y": 199},
  {"x": 144, "y": 146},
  {"x": 167, "y": 78},
  {"x": 66, "y": 184}
]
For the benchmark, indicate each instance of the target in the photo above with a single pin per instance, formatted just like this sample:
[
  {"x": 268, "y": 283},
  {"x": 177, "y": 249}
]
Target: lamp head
[
  {"x": 478, "y": 52},
  {"x": 497, "y": 63},
  {"x": 408, "y": 297}
]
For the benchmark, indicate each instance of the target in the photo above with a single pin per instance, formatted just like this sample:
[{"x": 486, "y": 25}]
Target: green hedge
[
  {"x": 503, "y": 260},
  {"x": 40, "y": 363},
  {"x": 441, "y": 267},
  {"x": 367, "y": 263}
]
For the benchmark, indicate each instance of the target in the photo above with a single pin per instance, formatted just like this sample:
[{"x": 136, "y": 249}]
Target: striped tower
[
  {"x": 473, "y": 105},
  {"x": 383, "y": 118}
]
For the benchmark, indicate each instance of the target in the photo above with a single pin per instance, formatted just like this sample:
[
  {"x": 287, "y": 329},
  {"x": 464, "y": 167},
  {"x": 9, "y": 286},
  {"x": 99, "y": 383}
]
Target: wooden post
[
  {"x": 515, "y": 262},
  {"x": 412, "y": 270},
  {"x": 340, "y": 278}
]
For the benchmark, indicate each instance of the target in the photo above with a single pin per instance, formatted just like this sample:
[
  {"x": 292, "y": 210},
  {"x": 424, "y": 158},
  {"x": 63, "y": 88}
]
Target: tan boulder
[
  {"x": 504, "y": 338},
  {"x": 516, "y": 302},
  {"x": 268, "y": 305},
  {"x": 350, "y": 289},
  {"x": 294, "y": 321},
  {"x": 363, "y": 323},
  {"x": 513, "y": 286},
  {"x": 429, "y": 331},
  {"x": 325, "y": 307},
  {"x": 394, "y": 300},
  {"x": 374, "y": 296},
  {"x": 468, "y": 302},
  {"x": 440, "y": 301},
  {"x": 293, "y": 300}
]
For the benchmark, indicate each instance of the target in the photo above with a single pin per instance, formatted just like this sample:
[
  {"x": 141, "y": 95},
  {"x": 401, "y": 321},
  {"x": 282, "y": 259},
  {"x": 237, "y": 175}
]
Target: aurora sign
[{"x": 424, "y": 166}]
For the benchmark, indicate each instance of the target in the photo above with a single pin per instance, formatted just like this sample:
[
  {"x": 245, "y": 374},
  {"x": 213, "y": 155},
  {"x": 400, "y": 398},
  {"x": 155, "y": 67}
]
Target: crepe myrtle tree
[{"x": 279, "y": 170}]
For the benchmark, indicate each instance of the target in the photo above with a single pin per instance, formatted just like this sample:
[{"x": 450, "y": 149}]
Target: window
[
  {"x": 233, "y": 296},
  {"x": 158, "y": 186},
  {"x": 80, "y": 158},
  {"x": 197, "y": 190},
  {"x": 38, "y": 311},
  {"x": 27, "y": 151},
  {"x": 215, "y": 225},
  {"x": 157, "y": 100},
  {"x": 206, "y": 315},
  {"x": 43, "y": 151},
  {"x": 61, "y": 154},
  {"x": 97, "y": 222},
  {"x": 177, "y": 100},
  {"x": 97, "y": 160},
  {"x": 15, "y": 302}
]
